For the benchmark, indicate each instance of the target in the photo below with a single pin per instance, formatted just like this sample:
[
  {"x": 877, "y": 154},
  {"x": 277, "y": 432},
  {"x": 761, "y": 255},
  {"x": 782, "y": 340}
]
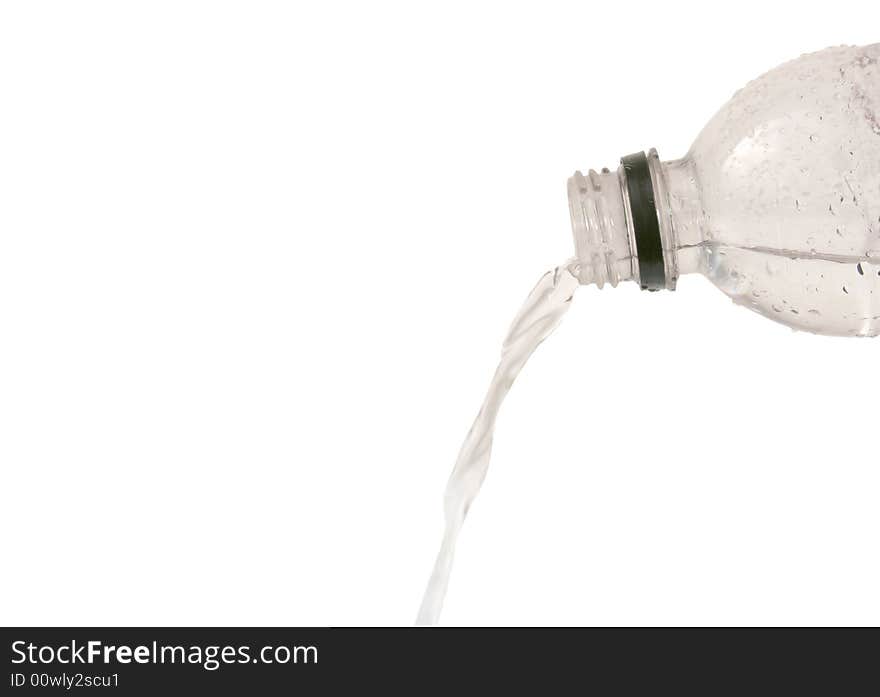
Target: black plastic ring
[{"x": 646, "y": 228}]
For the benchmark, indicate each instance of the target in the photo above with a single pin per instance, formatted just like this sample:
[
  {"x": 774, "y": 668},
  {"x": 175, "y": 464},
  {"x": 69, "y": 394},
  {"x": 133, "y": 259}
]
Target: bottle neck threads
[{"x": 623, "y": 225}]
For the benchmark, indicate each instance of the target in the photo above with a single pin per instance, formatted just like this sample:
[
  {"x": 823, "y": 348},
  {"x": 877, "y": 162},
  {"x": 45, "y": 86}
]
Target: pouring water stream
[{"x": 540, "y": 314}]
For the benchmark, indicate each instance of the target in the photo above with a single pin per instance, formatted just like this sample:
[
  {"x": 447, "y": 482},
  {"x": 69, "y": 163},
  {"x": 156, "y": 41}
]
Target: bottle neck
[
  {"x": 654, "y": 210},
  {"x": 680, "y": 208}
]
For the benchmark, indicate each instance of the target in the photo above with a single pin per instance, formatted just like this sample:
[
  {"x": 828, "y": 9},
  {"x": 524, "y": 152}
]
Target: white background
[{"x": 256, "y": 261}]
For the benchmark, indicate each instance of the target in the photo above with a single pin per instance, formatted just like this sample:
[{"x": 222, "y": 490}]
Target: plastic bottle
[{"x": 777, "y": 202}]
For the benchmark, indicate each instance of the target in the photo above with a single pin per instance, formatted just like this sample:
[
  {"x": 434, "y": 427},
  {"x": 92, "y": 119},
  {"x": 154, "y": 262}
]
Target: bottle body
[{"x": 778, "y": 200}]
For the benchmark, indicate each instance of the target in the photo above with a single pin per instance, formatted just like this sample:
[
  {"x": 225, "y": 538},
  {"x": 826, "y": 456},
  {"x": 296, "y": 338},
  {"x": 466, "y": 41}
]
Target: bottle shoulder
[{"x": 787, "y": 175}]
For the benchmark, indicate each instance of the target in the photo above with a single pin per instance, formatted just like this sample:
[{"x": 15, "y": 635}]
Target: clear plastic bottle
[{"x": 777, "y": 202}]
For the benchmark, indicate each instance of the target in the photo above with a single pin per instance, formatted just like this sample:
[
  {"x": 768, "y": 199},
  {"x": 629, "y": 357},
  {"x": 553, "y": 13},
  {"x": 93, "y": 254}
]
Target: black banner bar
[{"x": 412, "y": 661}]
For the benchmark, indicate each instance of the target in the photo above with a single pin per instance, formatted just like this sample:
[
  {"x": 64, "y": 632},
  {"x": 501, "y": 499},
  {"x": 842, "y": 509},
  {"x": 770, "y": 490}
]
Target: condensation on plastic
[{"x": 777, "y": 202}]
